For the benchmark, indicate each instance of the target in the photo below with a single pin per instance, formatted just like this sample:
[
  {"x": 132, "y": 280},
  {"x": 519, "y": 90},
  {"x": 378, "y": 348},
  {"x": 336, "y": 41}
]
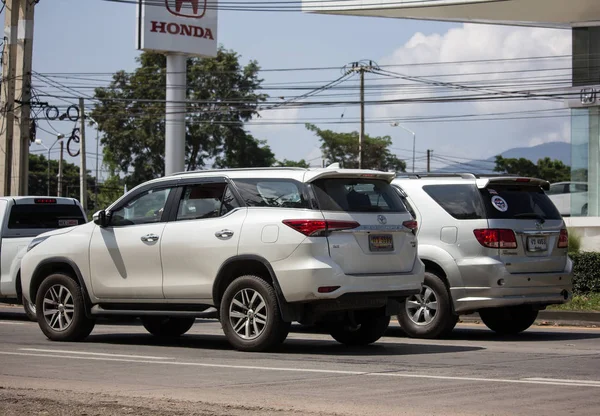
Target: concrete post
[{"x": 175, "y": 131}]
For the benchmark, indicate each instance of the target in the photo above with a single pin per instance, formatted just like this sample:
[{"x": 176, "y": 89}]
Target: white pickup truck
[{"x": 21, "y": 220}]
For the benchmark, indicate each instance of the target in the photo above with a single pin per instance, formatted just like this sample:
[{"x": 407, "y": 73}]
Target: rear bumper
[
  {"x": 491, "y": 286},
  {"x": 300, "y": 278}
]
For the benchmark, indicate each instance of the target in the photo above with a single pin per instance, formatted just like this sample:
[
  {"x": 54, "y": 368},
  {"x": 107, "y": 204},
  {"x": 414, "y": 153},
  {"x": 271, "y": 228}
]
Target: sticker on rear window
[
  {"x": 67, "y": 223},
  {"x": 499, "y": 203}
]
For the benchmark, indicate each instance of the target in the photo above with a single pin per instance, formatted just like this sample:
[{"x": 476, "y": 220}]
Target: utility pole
[
  {"x": 22, "y": 120},
  {"x": 15, "y": 100},
  {"x": 429, "y": 153},
  {"x": 82, "y": 165},
  {"x": 60, "y": 170},
  {"x": 361, "y": 67},
  {"x": 7, "y": 98}
]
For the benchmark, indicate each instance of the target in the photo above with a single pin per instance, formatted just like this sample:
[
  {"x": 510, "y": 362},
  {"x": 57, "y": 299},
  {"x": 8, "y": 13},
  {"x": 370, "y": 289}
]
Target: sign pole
[{"x": 175, "y": 114}]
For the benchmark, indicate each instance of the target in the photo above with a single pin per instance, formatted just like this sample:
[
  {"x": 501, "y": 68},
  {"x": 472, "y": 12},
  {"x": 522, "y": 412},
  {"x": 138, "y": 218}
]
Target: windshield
[
  {"x": 518, "y": 202},
  {"x": 357, "y": 195}
]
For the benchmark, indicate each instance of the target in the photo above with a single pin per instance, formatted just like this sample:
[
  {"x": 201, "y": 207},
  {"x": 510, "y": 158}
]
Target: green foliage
[
  {"x": 574, "y": 242},
  {"x": 222, "y": 95},
  {"x": 343, "y": 148},
  {"x": 584, "y": 302},
  {"x": 293, "y": 163},
  {"x": 38, "y": 178},
  {"x": 548, "y": 169},
  {"x": 586, "y": 271}
]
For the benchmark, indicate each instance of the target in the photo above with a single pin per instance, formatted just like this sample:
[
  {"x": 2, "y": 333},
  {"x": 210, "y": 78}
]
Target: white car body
[{"x": 182, "y": 268}]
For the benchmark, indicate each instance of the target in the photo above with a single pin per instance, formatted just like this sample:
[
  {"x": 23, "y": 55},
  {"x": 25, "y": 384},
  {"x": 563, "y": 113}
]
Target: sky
[{"x": 99, "y": 36}]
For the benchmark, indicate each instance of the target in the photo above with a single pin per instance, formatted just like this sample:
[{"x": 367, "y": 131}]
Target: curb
[{"x": 570, "y": 318}]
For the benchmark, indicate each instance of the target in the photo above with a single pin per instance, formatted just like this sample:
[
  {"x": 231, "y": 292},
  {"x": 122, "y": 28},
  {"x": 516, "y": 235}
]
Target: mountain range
[{"x": 553, "y": 150}]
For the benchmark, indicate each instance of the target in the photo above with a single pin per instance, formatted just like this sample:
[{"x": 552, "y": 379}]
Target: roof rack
[
  {"x": 463, "y": 175},
  {"x": 190, "y": 172}
]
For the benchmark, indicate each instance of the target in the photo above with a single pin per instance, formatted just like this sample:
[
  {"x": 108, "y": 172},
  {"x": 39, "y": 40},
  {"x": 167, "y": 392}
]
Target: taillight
[
  {"x": 563, "y": 239},
  {"x": 411, "y": 225},
  {"x": 317, "y": 228},
  {"x": 496, "y": 238}
]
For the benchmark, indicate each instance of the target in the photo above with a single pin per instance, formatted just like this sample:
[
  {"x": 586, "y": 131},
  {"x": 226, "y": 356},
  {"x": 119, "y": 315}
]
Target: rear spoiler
[
  {"x": 512, "y": 180},
  {"x": 334, "y": 172}
]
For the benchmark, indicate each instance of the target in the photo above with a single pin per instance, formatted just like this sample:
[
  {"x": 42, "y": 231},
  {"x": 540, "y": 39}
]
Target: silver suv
[
  {"x": 493, "y": 245},
  {"x": 264, "y": 246}
]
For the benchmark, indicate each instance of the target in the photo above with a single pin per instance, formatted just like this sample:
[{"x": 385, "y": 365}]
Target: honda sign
[{"x": 183, "y": 26}]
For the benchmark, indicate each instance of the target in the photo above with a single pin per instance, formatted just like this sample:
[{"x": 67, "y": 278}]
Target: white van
[{"x": 21, "y": 220}]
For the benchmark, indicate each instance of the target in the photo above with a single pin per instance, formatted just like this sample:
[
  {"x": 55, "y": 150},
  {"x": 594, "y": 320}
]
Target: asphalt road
[{"x": 120, "y": 369}]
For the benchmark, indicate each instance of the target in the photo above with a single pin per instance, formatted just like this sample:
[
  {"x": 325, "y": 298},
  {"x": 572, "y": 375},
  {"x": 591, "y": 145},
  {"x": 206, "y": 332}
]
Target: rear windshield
[
  {"x": 518, "y": 202},
  {"x": 41, "y": 216},
  {"x": 461, "y": 201},
  {"x": 275, "y": 193},
  {"x": 357, "y": 195}
]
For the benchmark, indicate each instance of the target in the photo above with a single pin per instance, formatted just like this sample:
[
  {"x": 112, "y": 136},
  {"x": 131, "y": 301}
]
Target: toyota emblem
[
  {"x": 382, "y": 219},
  {"x": 539, "y": 225}
]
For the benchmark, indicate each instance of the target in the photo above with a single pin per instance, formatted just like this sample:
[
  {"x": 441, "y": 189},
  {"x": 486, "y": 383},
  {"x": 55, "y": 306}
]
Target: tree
[
  {"x": 293, "y": 163},
  {"x": 222, "y": 95},
  {"x": 38, "y": 178},
  {"x": 343, "y": 148},
  {"x": 548, "y": 169}
]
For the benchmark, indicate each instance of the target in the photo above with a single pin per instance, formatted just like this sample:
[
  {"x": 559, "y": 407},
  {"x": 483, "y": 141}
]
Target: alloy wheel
[
  {"x": 422, "y": 308},
  {"x": 248, "y": 314},
  {"x": 58, "y": 307}
]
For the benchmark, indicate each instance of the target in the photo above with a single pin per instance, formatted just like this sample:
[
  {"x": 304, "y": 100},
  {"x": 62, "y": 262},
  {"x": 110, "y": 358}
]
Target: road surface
[{"x": 120, "y": 369}]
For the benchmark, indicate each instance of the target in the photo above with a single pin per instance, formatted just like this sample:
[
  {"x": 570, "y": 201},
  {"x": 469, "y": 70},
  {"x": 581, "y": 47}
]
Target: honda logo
[{"x": 187, "y": 8}]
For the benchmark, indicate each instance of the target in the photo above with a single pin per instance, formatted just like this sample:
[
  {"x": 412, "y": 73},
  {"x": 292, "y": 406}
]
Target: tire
[
  {"x": 368, "y": 330},
  {"x": 60, "y": 293},
  {"x": 250, "y": 315},
  {"x": 510, "y": 320},
  {"x": 167, "y": 327},
  {"x": 29, "y": 309},
  {"x": 429, "y": 314}
]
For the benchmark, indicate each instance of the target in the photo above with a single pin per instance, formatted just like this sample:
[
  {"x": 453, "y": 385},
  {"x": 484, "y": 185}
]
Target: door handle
[
  {"x": 224, "y": 234},
  {"x": 149, "y": 238}
]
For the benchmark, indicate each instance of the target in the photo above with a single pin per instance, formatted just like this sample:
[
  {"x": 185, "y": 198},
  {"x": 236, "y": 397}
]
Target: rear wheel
[
  {"x": 250, "y": 315},
  {"x": 364, "y": 331},
  {"x": 509, "y": 320},
  {"x": 428, "y": 314},
  {"x": 60, "y": 309},
  {"x": 164, "y": 326},
  {"x": 29, "y": 308}
]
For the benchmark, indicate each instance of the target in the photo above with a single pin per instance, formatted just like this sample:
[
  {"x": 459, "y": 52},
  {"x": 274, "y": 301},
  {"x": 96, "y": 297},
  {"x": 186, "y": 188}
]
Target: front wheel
[
  {"x": 509, "y": 320},
  {"x": 428, "y": 314},
  {"x": 366, "y": 330},
  {"x": 60, "y": 309},
  {"x": 167, "y": 326},
  {"x": 250, "y": 315}
]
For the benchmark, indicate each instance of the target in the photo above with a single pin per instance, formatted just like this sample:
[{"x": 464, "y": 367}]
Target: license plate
[
  {"x": 537, "y": 244},
  {"x": 381, "y": 242},
  {"x": 67, "y": 223}
]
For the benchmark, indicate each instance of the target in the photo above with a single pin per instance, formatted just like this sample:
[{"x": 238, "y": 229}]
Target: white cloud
[{"x": 498, "y": 50}]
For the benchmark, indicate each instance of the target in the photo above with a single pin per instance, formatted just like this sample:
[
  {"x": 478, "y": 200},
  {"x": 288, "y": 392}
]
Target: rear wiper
[{"x": 531, "y": 215}]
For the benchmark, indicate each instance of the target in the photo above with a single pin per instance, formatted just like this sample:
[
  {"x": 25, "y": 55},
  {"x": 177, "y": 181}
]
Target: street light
[
  {"x": 97, "y": 153},
  {"x": 39, "y": 142},
  {"x": 396, "y": 124}
]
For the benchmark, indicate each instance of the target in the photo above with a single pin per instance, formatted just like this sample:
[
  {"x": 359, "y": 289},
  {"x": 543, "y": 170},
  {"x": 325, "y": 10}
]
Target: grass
[{"x": 588, "y": 302}]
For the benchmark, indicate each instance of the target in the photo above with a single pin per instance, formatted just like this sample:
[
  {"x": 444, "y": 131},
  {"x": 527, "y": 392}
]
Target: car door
[
  {"x": 125, "y": 258},
  {"x": 202, "y": 236}
]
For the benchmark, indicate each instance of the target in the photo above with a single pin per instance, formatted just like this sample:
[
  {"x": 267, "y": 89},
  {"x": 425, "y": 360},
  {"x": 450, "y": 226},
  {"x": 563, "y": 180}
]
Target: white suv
[{"x": 264, "y": 246}]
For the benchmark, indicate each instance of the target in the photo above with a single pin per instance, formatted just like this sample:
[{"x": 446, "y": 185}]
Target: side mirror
[{"x": 100, "y": 218}]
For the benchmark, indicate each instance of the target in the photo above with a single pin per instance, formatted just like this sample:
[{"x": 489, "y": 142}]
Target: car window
[
  {"x": 461, "y": 201},
  {"x": 208, "y": 200},
  {"x": 557, "y": 189},
  {"x": 404, "y": 200},
  {"x": 518, "y": 202},
  {"x": 146, "y": 208},
  {"x": 276, "y": 193},
  {"x": 357, "y": 195},
  {"x": 44, "y": 216},
  {"x": 578, "y": 187}
]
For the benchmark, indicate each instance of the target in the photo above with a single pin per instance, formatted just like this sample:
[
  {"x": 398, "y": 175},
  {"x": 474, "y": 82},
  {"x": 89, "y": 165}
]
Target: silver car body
[{"x": 480, "y": 277}]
